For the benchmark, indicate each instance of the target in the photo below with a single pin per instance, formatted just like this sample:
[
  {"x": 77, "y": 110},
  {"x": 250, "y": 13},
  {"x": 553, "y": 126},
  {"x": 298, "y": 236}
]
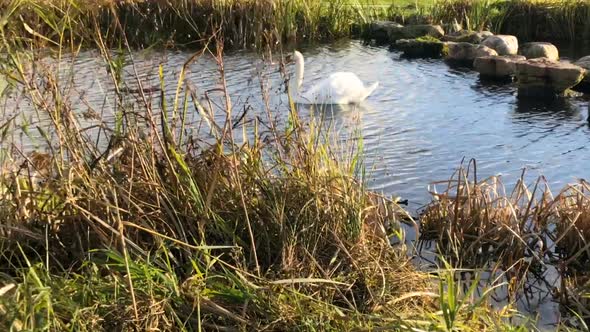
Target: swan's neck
[{"x": 297, "y": 80}]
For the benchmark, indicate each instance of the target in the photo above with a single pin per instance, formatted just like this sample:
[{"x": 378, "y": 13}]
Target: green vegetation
[
  {"x": 159, "y": 227},
  {"x": 526, "y": 19}
]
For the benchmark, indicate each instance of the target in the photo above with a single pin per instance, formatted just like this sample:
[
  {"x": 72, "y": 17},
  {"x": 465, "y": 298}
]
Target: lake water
[{"x": 424, "y": 118}]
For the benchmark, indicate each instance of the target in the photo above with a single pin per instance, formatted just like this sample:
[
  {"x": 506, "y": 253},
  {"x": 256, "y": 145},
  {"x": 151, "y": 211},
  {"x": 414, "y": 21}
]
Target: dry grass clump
[
  {"x": 477, "y": 225},
  {"x": 476, "y": 222},
  {"x": 573, "y": 226}
]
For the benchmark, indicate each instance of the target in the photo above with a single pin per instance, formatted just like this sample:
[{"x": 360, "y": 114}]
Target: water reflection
[
  {"x": 560, "y": 109},
  {"x": 344, "y": 113}
]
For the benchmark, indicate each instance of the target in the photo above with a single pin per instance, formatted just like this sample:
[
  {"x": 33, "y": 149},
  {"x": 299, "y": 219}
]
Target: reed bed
[
  {"x": 476, "y": 219},
  {"x": 185, "y": 23},
  {"x": 521, "y": 235}
]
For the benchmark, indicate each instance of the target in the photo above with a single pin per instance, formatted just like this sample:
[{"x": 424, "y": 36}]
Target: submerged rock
[
  {"x": 425, "y": 47},
  {"x": 497, "y": 66},
  {"x": 467, "y": 52},
  {"x": 466, "y": 36},
  {"x": 539, "y": 50},
  {"x": 544, "y": 78},
  {"x": 503, "y": 44}
]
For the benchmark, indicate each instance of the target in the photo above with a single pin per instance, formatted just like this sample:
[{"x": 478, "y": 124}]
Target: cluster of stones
[{"x": 535, "y": 66}]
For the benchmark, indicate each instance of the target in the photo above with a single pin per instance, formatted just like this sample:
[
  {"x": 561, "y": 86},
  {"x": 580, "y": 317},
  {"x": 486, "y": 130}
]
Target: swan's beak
[{"x": 289, "y": 59}]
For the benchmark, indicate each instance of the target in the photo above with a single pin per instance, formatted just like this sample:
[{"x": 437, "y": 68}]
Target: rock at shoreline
[
  {"x": 497, "y": 66},
  {"x": 467, "y": 52},
  {"x": 584, "y": 86},
  {"x": 380, "y": 30},
  {"x": 539, "y": 50},
  {"x": 544, "y": 78},
  {"x": 584, "y": 62},
  {"x": 424, "y": 47},
  {"x": 465, "y": 36},
  {"x": 503, "y": 44},
  {"x": 417, "y": 31},
  {"x": 389, "y": 32}
]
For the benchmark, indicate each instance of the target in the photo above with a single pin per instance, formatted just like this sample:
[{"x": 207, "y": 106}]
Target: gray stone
[
  {"x": 381, "y": 30},
  {"x": 467, "y": 52},
  {"x": 503, "y": 44},
  {"x": 389, "y": 32},
  {"x": 416, "y": 31},
  {"x": 539, "y": 50},
  {"x": 466, "y": 36},
  {"x": 543, "y": 78},
  {"x": 425, "y": 47},
  {"x": 497, "y": 66},
  {"x": 584, "y": 62}
]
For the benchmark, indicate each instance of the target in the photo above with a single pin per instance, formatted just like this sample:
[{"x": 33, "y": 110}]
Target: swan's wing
[{"x": 338, "y": 88}]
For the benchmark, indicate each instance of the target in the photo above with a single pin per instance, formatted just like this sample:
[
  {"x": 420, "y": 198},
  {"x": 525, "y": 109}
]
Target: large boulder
[
  {"x": 503, "y": 44},
  {"x": 466, "y": 36},
  {"x": 424, "y": 47},
  {"x": 542, "y": 78},
  {"x": 497, "y": 66},
  {"x": 416, "y": 31},
  {"x": 380, "y": 30},
  {"x": 467, "y": 52},
  {"x": 539, "y": 50}
]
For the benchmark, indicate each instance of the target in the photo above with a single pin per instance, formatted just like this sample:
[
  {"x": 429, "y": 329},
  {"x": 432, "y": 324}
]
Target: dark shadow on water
[
  {"x": 531, "y": 110},
  {"x": 494, "y": 85}
]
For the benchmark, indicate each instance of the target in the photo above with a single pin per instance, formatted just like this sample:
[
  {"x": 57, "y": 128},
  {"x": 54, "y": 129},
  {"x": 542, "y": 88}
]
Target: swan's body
[{"x": 337, "y": 88}]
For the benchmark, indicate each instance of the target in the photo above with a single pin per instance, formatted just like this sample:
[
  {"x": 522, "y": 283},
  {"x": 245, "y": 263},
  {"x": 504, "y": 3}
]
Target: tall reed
[{"x": 189, "y": 23}]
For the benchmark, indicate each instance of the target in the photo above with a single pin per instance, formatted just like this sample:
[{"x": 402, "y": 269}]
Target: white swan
[{"x": 338, "y": 88}]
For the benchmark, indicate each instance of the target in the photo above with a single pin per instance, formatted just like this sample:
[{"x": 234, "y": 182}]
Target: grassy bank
[
  {"x": 254, "y": 24},
  {"x": 528, "y": 20}
]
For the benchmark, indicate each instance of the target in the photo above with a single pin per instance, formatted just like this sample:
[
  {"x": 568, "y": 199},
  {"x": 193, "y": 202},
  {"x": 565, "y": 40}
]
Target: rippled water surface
[{"x": 420, "y": 123}]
